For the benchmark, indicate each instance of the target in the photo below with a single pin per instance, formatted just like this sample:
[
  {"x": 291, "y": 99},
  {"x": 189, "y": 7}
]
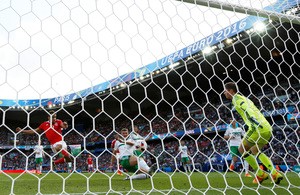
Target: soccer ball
[{"x": 141, "y": 145}]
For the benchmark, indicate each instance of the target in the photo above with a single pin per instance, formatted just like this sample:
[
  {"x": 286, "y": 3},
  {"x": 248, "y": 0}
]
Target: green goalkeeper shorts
[
  {"x": 124, "y": 161},
  {"x": 259, "y": 135}
]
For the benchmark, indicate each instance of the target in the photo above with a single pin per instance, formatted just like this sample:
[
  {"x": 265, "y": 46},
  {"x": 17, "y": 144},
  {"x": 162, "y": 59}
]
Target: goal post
[{"x": 136, "y": 89}]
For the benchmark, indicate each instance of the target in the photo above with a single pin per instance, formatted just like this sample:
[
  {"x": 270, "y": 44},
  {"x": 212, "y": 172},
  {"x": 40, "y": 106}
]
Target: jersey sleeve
[
  {"x": 113, "y": 143},
  {"x": 42, "y": 126},
  {"x": 227, "y": 132},
  {"x": 59, "y": 122},
  {"x": 116, "y": 145}
]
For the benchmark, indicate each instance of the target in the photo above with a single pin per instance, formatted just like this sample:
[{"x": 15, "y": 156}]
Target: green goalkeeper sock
[
  {"x": 252, "y": 162},
  {"x": 267, "y": 162}
]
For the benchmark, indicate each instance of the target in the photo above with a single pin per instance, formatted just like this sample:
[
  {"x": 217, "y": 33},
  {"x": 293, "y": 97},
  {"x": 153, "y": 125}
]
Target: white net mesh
[{"x": 93, "y": 52}]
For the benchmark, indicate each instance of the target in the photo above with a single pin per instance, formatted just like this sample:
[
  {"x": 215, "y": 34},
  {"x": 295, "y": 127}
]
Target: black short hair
[
  {"x": 231, "y": 85},
  {"x": 124, "y": 129}
]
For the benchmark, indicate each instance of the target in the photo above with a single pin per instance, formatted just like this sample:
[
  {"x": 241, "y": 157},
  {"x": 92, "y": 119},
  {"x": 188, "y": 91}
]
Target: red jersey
[
  {"x": 113, "y": 144},
  {"x": 90, "y": 161},
  {"x": 53, "y": 133}
]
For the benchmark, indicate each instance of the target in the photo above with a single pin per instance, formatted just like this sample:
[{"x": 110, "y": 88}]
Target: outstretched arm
[
  {"x": 28, "y": 131},
  {"x": 64, "y": 125}
]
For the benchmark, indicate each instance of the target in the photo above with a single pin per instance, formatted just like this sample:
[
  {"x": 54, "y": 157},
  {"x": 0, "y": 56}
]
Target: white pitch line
[{"x": 182, "y": 190}]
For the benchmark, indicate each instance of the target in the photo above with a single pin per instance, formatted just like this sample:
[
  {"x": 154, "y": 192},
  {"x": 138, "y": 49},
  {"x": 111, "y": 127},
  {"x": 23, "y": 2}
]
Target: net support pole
[{"x": 246, "y": 10}]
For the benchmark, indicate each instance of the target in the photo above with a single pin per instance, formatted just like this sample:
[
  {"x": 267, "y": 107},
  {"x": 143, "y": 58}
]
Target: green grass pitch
[{"x": 161, "y": 183}]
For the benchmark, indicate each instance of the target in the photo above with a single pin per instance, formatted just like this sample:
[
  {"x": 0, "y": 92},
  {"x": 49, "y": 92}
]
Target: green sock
[
  {"x": 267, "y": 162},
  {"x": 252, "y": 162}
]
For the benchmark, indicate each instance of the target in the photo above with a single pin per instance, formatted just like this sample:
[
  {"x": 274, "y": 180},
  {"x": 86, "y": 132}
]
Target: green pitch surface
[{"x": 161, "y": 183}]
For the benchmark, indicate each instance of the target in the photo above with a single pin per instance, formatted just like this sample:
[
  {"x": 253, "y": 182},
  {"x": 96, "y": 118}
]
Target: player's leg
[
  {"x": 119, "y": 168},
  {"x": 246, "y": 166},
  {"x": 124, "y": 162},
  {"x": 64, "y": 151},
  {"x": 184, "y": 164},
  {"x": 143, "y": 165},
  {"x": 143, "y": 168},
  {"x": 62, "y": 147},
  {"x": 188, "y": 164},
  {"x": 140, "y": 175},
  {"x": 41, "y": 166},
  {"x": 265, "y": 160},
  {"x": 245, "y": 163},
  {"x": 233, "y": 162},
  {"x": 130, "y": 164},
  {"x": 245, "y": 150},
  {"x": 260, "y": 137},
  {"x": 138, "y": 159},
  {"x": 140, "y": 162},
  {"x": 234, "y": 151},
  {"x": 36, "y": 165}
]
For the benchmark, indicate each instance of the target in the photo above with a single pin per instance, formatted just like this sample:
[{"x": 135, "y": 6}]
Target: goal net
[{"x": 95, "y": 71}]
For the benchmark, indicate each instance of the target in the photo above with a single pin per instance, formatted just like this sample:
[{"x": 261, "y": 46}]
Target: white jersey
[
  {"x": 183, "y": 151},
  {"x": 135, "y": 136},
  {"x": 38, "y": 151},
  {"x": 236, "y": 134},
  {"x": 124, "y": 149}
]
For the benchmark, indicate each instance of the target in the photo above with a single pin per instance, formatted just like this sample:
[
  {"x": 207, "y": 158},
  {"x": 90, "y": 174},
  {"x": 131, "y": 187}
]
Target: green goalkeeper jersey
[{"x": 250, "y": 113}]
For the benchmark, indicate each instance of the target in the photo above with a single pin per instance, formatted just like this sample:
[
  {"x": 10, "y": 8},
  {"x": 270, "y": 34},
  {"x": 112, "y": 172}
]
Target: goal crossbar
[{"x": 276, "y": 16}]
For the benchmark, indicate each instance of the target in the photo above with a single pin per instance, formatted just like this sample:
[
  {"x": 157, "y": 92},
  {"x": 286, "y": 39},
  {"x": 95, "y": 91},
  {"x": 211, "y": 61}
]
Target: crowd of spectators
[
  {"x": 203, "y": 149},
  {"x": 283, "y": 148}
]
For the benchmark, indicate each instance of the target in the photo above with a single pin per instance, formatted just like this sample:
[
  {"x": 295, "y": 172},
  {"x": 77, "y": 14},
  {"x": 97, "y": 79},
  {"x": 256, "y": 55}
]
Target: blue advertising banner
[
  {"x": 192, "y": 49},
  {"x": 292, "y": 117}
]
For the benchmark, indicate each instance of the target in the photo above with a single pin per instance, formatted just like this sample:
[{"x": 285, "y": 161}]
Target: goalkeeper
[{"x": 258, "y": 134}]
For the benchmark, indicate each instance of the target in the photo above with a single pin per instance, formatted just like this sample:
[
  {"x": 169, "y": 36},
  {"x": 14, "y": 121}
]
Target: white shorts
[
  {"x": 90, "y": 166},
  {"x": 63, "y": 146}
]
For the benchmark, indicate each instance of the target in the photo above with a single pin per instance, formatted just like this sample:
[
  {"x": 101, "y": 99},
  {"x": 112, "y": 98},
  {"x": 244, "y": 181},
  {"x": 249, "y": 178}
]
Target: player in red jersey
[
  {"x": 113, "y": 158},
  {"x": 90, "y": 163},
  {"x": 53, "y": 131}
]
